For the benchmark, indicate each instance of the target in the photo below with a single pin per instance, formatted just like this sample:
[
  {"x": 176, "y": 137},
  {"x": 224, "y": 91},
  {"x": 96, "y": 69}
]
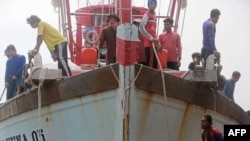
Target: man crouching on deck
[{"x": 55, "y": 42}]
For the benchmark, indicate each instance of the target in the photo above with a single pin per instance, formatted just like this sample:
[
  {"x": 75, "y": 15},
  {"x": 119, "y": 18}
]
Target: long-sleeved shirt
[
  {"x": 108, "y": 35},
  {"x": 209, "y": 30},
  {"x": 14, "y": 67},
  {"x": 228, "y": 89},
  {"x": 148, "y": 28},
  {"x": 171, "y": 42}
]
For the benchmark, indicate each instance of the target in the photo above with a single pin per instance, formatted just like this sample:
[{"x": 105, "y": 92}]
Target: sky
[{"x": 232, "y": 35}]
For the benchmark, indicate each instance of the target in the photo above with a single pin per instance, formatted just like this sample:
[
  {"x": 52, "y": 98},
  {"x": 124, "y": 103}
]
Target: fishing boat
[{"x": 125, "y": 101}]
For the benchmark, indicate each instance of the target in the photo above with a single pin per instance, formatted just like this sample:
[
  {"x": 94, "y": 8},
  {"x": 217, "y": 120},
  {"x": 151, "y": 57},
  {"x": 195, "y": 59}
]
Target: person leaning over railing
[{"x": 55, "y": 42}]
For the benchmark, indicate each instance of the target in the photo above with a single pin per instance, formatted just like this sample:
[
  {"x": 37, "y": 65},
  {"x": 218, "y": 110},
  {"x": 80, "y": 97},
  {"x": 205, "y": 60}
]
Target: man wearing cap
[
  {"x": 14, "y": 71},
  {"x": 108, "y": 35},
  {"x": 55, "y": 42},
  {"x": 148, "y": 30}
]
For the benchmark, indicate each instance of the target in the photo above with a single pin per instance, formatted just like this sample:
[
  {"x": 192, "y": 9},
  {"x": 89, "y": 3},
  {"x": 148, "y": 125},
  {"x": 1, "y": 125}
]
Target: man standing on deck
[
  {"x": 108, "y": 35},
  {"x": 14, "y": 71},
  {"x": 148, "y": 30},
  {"x": 209, "y": 30},
  {"x": 171, "y": 41},
  {"x": 55, "y": 42}
]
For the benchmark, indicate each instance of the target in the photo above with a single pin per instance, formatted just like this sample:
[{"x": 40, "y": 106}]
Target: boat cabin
[{"x": 90, "y": 21}]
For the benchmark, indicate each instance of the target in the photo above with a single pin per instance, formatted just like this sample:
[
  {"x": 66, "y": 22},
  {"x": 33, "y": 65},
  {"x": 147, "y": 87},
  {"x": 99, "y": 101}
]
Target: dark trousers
[
  {"x": 173, "y": 65},
  {"x": 62, "y": 58},
  {"x": 111, "y": 61},
  {"x": 149, "y": 52},
  {"x": 11, "y": 89},
  {"x": 204, "y": 54}
]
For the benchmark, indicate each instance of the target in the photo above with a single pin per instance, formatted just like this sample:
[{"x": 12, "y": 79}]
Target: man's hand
[
  {"x": 54, "y": 57},
  {"x": 155, "y": 41},
  {"x": 13, "y": 77},
  {"x": 159, "y": 47},
  {"x": 33, "y": 52},
  {"x": 6, "y": 84},
  {"x": 216, "y": 54}
]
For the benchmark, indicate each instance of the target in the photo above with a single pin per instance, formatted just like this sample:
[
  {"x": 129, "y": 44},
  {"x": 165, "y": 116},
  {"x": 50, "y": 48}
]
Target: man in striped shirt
[{"x": 148, "y": 30}]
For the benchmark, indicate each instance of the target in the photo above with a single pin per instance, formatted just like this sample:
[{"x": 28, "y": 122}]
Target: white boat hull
[{"x": 115, "y": 114}]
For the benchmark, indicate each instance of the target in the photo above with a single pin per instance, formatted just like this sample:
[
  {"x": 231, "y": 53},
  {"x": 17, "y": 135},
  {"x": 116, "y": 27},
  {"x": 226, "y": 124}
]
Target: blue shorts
[{"x": 11, "y": 89}]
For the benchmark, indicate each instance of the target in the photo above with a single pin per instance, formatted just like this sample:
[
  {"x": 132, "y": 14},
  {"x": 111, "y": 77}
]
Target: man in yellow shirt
[{"x": 55, "y": 42}]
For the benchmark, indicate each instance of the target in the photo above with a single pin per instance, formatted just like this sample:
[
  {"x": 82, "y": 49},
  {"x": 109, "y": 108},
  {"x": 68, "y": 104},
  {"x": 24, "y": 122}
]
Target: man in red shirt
[
  {"x": 171, "y": 41},
  {"x": 209, "y": 133}
]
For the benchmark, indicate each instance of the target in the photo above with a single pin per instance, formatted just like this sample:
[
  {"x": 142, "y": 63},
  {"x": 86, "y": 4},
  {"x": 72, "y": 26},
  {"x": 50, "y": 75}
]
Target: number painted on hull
[{"x": 37, "y": 135}]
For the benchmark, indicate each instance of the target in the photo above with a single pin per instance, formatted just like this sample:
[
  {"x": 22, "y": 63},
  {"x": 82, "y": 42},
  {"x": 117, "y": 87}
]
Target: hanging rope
[{"x": 164, "y": 88}]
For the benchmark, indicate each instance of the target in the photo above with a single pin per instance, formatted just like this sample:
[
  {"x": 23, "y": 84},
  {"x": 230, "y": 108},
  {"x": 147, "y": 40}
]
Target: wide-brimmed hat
[{"x": 113, "y": 16}]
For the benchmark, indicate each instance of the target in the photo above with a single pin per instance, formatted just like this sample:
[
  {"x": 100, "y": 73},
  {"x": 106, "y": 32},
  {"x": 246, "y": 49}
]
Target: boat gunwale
[
  {"x": 191, "y": 92},
  {"x": 52, "y": 92},
  {"x": 149, "y": 80}
]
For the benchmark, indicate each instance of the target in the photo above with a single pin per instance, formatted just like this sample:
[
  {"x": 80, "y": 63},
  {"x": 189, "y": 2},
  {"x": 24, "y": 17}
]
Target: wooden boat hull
[{"x": 97, "y": 106}]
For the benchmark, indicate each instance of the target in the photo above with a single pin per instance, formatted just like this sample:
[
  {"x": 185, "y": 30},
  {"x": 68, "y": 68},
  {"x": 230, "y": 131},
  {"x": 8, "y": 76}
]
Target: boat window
[{"x": 99, "y": 20}]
